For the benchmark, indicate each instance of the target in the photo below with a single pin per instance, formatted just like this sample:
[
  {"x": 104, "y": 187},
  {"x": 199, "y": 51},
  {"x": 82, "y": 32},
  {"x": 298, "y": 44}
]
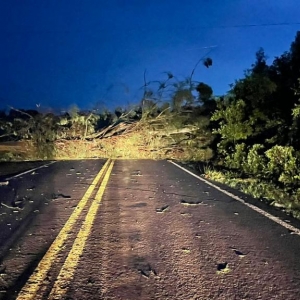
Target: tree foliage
[{"x": 259, "y": 122}]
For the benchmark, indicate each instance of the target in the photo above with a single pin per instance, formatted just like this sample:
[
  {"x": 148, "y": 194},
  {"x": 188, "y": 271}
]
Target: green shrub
[
  {"x": 236, "y": 159},
  {"x": 255, "y": 163},
  {"x": 283, "y": 165}
]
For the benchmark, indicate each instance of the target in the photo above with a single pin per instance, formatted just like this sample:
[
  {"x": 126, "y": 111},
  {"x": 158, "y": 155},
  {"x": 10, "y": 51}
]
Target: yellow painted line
[
  {"x": 67, "y": 271},
  {"x": 35, "y": 281}
]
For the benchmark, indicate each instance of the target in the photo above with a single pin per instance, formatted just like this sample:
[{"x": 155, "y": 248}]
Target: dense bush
[
  {"x": 283, "y": 165},
  {"x": 279, "y": 164}
]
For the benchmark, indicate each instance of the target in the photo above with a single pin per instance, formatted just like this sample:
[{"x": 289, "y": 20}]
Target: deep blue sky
[{"x": 62, "y": 52}]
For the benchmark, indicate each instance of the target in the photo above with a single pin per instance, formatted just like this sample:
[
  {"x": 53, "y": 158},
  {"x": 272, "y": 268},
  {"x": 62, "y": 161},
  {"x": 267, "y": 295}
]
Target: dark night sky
[{"x": 57, "y": 53}]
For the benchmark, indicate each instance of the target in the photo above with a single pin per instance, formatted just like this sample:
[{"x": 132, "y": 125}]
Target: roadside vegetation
[
  {"x": 257, "y": 125},
  {"x": 248, "y": 138}
]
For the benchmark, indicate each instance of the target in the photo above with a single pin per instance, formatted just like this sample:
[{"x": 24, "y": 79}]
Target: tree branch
[{"x": 22, "y": 112}]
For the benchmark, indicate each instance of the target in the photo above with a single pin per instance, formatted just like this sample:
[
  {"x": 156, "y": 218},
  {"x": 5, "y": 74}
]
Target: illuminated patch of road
[
  {"x": 255, "y": 208},
  {"x": 67, "y": 271},
  {"x": 34, "y": 283}
]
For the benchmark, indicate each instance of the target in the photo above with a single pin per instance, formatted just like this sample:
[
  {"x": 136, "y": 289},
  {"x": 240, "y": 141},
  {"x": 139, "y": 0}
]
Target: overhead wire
[{"x": 155, "y": 28}]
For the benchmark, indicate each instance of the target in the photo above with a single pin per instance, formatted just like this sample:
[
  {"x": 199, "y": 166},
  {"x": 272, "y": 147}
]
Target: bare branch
[
  {"x": 162, "y": 112},
  {"x": 22, "y": 112},
  {"x": 7, "y": 134},
  {"x": 198, "y": 62}
]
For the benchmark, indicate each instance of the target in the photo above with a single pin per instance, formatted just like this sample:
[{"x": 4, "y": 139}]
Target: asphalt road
[{"x": 140, "y": 229}]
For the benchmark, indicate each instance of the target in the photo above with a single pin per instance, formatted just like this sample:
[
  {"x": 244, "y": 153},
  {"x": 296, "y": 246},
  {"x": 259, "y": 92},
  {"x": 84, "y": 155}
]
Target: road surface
[{"x": 139, "y": 229}]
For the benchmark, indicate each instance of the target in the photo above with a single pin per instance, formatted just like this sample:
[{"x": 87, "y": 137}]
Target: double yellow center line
[{"x": 32, "y": 288}]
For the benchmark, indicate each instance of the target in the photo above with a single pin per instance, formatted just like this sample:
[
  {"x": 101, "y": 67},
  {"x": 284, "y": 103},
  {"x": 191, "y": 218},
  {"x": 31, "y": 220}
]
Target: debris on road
[{"x": 162, "y": 209}]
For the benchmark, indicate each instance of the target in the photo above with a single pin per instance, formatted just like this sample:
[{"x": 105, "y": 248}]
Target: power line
[
  {"x": 147, "y": 29},
  {"x": 250, "y": 25}
]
